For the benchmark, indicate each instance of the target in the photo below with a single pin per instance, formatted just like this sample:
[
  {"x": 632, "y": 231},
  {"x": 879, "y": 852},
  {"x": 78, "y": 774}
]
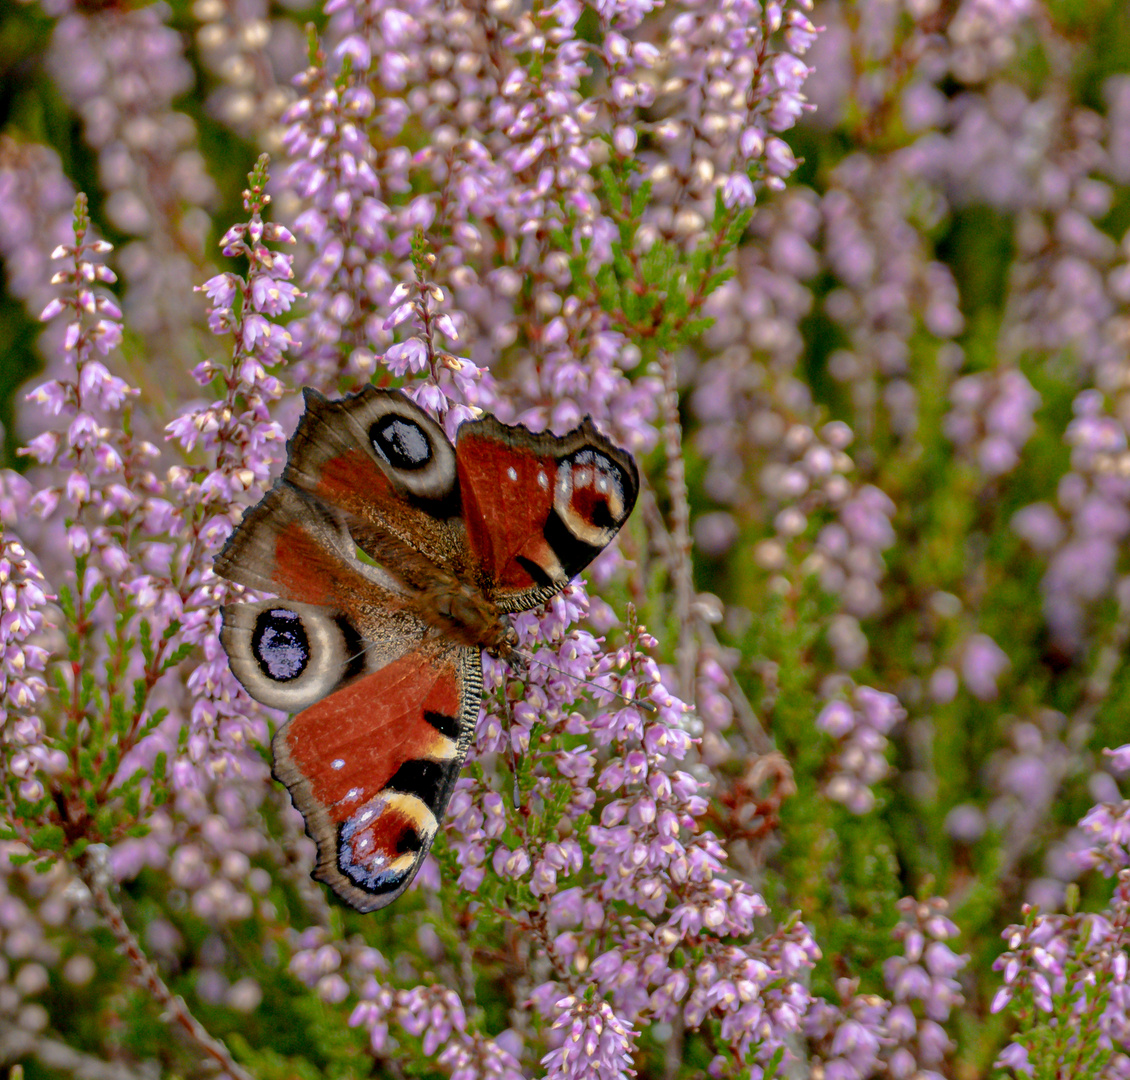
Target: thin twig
[
  {"x": 95, "y": 874},
  {"x": 756, "y": 736}
]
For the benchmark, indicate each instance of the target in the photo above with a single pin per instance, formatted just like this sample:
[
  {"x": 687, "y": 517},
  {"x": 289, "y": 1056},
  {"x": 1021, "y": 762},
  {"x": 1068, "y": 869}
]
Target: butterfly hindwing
[
  {"x": 538, "y": 508},
  {"x": 372, "y": 767},
  {"x": 289, "y": 655}
]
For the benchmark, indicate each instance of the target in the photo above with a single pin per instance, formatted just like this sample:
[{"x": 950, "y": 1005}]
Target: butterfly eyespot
[
  {"x": 401, "y": 442},
  {"x": 280, "y": 645},
  {"x": 591, "y": 496},
  {"x": 290, "y": 655},
  {"x": 379, "y": 842}
]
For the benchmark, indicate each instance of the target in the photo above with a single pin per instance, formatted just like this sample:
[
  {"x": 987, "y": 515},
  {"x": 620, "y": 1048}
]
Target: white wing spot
[
  {"x": 337, "y": 763},
  {"x": 512, "y": 473},
  {"x": 543, "y": 480}
]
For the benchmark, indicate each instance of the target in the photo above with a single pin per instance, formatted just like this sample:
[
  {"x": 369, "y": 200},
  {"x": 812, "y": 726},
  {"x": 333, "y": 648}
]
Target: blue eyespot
[{"x": 280, "y": 644}]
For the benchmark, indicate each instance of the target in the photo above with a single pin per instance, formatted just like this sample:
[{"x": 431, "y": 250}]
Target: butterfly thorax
[{"x": 460, "y": 612}]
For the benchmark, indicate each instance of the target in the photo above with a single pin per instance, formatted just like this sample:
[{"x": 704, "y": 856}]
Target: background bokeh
[{"x": 852, "y": 282}]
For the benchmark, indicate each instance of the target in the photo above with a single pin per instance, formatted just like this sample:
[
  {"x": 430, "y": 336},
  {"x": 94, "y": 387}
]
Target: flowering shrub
[{"x": 851, "y": 281}]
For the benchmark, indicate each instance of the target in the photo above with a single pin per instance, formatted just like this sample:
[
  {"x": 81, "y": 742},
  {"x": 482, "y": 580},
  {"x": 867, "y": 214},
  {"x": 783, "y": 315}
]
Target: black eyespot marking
[
  {"x": 602, "y": 517},
  {"x": 422, "y": 778},
  {"x": 537, "y": 574},
  {"x": 408, "y": 841},
  {"x": 572, "y": 552},
  {"x": 354, "y": 648},
  {"x": 444, "y": 724},
  {"x": 402, "y": 443},
  {"x": 280, "y": 644}
]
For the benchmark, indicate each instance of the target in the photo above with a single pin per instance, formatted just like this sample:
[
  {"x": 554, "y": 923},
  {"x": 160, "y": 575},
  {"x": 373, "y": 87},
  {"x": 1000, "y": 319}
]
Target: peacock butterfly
[{"x": 380, "y": 658}]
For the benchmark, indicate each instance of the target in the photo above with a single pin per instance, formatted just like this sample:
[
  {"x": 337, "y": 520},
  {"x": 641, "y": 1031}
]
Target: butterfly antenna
[
  {"x": 361, "y": 652},
  {"x": 644, "y": 706}
]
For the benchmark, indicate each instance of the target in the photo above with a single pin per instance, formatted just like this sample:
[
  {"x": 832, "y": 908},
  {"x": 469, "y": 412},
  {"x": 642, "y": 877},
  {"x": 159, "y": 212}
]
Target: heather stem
[
  {"x": 95, "y": 874},
  {"x": 686, "y": 651}
]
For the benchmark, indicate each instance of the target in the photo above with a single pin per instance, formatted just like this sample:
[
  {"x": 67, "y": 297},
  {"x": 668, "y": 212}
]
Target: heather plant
[{"x": 849, "y": 279}]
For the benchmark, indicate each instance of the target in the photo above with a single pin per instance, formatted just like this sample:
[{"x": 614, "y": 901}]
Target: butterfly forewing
[{"x": 389, "y": 468}]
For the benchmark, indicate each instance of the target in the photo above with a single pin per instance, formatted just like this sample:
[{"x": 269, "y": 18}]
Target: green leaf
[
  {"x": 146, "y": 634},
  {"x": 140, "y": 693},
  {"x": 153, "y": 722},
  {"x": 48, "y": 836},
  {"x": 641, "y": 199},
  {"x": 119, "y": 718},
  {"x": 182, "y": 652},
  {"x": 86, "y": 690},
  {"x": 112, "y": 760}
]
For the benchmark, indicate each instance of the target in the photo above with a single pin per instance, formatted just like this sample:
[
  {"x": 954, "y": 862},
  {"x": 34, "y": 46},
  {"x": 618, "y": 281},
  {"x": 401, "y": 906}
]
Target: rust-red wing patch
[
  {"x": 304, "y": 569},
  {"x": 351, "y": 744},
  {"x": 507, "y": 494},
  {"x": 353, "y": 481}
]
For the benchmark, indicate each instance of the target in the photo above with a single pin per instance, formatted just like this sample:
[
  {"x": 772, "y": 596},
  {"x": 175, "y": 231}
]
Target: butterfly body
[{"x": 380, "y": 657}]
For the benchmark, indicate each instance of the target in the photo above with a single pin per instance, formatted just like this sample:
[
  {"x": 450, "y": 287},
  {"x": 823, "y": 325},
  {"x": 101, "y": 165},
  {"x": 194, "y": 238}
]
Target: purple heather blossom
[
  {"x": 992, "y": 419},
  {"x": 594, "y": 1043},
  {"x": 36, "y": 204},
  {"x": 121, "y": 69},
  {"x": 863, "y": 1034},
  {"x": 23, "y": 594},
  {"x": 1080, "y": 958},
  {"x": 859, "y": 726},
  {"x": 983, "y": 663}
]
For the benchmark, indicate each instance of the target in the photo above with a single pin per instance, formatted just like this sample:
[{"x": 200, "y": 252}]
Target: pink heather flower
[
  {"x": 859, "y": 760},
  {"x": 595, "y": 1043},
  {"x": 836, "y": 718},
  {"x": 1119, "y": 758},
  {"x": 983, "y": 662}
]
